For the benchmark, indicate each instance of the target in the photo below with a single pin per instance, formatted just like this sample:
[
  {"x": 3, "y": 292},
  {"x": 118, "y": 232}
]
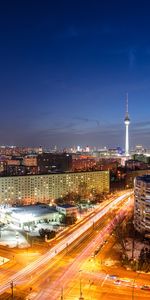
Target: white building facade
[{"x": 67, "y": 209}]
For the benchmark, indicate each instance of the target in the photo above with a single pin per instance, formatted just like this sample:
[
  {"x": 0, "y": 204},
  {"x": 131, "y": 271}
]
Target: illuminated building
[
  {"x": 87, "y": 149},
  {"x": 108, "y": 153},
  {"x": 46, "y": 188},
  {"x": 142, "y": 158},
  {"x": 132, "y": 164},
  {"x": 139, "y": 149},
  {"x": 131, "y": 175},
  {"x": 83, "y": 163},
  {"x": 30, "y": 161},
  {"x": 40, "y": 150},
  {"x": 13, "y": 162},
  {"x": 127, "y": 122},
  {"x": 3, "y": 165},
  {"x": 25, "y": 217},
  {"x": 142, "y": 204},
  {"x": 53, "y": 162},
  {"x": 67, "y": 209}
]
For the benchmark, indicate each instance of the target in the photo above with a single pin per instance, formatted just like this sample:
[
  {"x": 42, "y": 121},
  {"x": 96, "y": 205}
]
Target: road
[
  {"x": 79, "y": 267},
  {"x": 46, "y": 258},
  {"x": 70, "y": 278}
]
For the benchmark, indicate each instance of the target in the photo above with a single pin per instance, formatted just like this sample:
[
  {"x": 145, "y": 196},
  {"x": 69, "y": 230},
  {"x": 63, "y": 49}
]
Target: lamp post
[
  {"x": 27, "y": 234},
  {"x": 134, "y": 283},
  {"x": 12, "y": 289},
  {"x": 81, "y": 296},
  {"x": 17, "y": 237},
  {"x": 62, "y": 294},
  {"x": 93, "y": 225}
]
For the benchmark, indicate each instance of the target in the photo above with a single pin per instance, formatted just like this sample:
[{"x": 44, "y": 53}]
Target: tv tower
[{"x": 127, "y": 122}]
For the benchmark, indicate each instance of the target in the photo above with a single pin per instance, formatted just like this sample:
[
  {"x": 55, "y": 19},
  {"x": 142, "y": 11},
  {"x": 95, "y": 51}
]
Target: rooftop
[
  {"x": 144, "y": 178},
  {"x": 54, "y": 173},
  {"x": 32, "y": 210},
  {"x": 66, "y": 206}
]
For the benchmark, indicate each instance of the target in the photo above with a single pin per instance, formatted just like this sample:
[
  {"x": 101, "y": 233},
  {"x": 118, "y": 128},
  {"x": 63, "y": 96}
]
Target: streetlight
[
  {"x": 27, "y": 236},
  {"x": 81, "y": 297},
  {"x": 17, "y": 237},
  {"x": 67, "y": 248},
  {"x": 62, "y": 294},
  {"x": 93, "y": 225},
  {"x": 12, "y": 289},
  {"x": 134, "y": 284}
]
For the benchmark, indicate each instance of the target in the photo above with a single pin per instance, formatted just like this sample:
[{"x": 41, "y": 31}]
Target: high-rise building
[
  {"x": 45, "y": 188},
  {"x": 54, "y": 162},
  {"x": 142, "y": 204},
  {"x": 83, "y": 162},
  {"x": 127, "y": 122}
]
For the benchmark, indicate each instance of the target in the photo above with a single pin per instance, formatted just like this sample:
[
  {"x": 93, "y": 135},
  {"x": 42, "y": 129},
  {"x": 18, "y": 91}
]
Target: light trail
[
  {"x": 41, "y": 261},
  {"x": 76, "y": 266}
]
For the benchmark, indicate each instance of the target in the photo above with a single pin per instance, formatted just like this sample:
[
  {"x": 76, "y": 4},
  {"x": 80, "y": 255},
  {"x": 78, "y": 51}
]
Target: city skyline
[
  {"x": 65, "y": 73},
  {"x": 74, "y": 149}
]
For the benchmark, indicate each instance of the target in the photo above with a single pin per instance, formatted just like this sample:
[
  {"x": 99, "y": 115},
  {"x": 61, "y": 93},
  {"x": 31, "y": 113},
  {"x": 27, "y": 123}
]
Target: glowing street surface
[
  {"x": 73, "y": 271},
  {"x": 44, "y": 259}
]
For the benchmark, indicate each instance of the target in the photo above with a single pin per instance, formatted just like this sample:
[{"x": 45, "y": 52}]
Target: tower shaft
[
  {"x": 127, "y": 122},
  {"x": 127, "y": 141}
]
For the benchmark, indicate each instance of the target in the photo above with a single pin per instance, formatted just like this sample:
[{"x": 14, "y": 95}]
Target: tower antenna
[{"x": 127, "y": 103}]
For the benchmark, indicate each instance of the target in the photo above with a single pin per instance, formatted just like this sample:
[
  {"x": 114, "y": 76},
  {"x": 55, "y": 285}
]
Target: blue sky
[{"x": 65, "y": 68}]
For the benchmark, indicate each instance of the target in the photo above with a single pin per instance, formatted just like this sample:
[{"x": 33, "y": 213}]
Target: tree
[
  {"x": 120, "y": 232},
  {"x": 47, "y": 232},
  {"x": 70, "y": 198},
  {"x": 83, "y": 189},
  {"x": 144, "y": 259},
  {"x": 69, "y": 219}
]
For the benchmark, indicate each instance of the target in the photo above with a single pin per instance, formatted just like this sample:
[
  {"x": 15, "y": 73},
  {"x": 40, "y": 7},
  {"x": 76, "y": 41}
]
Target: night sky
[{"x": 65, "y": 68}]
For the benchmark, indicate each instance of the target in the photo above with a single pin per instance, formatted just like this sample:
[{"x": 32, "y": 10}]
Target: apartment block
[{"x": 45, "y": 188}]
